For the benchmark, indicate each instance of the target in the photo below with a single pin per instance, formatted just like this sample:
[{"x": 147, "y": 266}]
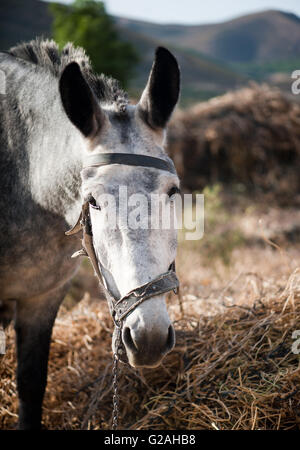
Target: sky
[{"x": 193, "y": 11}]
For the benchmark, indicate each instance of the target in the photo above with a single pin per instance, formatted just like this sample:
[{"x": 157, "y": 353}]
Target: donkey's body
[
  {"x": 36, "y": 191},
  {"x": 41, "y": 154}
]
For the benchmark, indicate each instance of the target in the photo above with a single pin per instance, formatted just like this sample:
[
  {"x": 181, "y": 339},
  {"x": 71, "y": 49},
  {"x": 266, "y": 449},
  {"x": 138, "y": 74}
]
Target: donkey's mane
[{"x": 45, "y": 53}]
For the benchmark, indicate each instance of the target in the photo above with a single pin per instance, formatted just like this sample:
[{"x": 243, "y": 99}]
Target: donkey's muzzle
[
  {"x": 146, "y": 346},
  {"x": 145, "y": 352}
]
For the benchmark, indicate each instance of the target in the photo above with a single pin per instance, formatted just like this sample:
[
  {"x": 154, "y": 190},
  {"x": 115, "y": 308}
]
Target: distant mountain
[
  {"x": 213, "y": 58},
  {"x": 258, "y": 46},
  {"x": 255, "y": 38}
]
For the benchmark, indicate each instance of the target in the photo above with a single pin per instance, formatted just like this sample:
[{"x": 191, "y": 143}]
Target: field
[{"x": 235, "y": 365}]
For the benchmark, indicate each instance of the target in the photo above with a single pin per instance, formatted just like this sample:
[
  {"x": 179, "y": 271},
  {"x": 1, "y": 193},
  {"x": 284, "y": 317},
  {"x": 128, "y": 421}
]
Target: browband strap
[{"x": 129, "y": 159}]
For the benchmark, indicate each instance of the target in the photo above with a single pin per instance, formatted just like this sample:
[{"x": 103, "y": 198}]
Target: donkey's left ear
[
  {"x": 162, "y": 90},
  {"x": 79, "y": 102}
]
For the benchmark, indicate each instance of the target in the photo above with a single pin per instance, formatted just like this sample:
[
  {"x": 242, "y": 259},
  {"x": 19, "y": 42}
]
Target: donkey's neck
[{"x": 56, "y": 151}]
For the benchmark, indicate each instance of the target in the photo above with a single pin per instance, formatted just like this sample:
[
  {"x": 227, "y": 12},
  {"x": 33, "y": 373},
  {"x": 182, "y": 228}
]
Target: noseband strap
[
  {"x": 168, "y": 281},
  {"x": 165, "y": 282}
]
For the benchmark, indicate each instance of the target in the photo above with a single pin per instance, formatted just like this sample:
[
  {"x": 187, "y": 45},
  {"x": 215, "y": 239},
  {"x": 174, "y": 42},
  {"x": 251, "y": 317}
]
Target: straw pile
[
  {"x": 234, "y": 370},
  {"x": 249, "y": 137}
]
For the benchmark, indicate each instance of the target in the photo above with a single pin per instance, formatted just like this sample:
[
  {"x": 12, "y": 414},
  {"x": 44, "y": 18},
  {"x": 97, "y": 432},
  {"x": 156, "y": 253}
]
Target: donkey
[{"x": 53, "y": 114}]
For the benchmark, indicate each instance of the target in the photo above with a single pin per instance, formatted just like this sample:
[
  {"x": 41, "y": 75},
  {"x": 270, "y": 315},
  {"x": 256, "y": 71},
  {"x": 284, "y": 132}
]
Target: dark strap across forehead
[{"x": 129, "y": 159}]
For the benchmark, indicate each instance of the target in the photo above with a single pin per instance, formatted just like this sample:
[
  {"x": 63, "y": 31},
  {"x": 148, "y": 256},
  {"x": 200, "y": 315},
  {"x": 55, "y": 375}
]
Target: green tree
[{"x": 86, "y": 24}]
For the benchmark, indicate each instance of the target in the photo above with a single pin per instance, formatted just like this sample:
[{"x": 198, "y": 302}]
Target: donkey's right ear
[
  {"x": 79, "y": 101},
  {"x": 162, "y": 90}
]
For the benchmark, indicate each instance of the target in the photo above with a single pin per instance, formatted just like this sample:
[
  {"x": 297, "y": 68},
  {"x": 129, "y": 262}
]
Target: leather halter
[{"x": 168, "y": 281}]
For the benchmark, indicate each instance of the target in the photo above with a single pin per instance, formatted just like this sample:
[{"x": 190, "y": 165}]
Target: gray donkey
[{"x": 54, "y": 113}]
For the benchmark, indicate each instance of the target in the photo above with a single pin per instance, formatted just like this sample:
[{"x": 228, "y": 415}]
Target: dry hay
[
  {"x": 234, "y": 370},
  {"x": 249, "y": 137}
]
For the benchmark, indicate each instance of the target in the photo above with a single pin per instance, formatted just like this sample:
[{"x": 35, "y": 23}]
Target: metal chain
[
  {"x": 116, "y": 397},
  {"x": 115, "y": 370}
]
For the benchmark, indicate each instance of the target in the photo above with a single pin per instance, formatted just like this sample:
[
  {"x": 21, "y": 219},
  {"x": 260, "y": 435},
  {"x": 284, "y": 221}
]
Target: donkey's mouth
[{"x": 145, "y": 366}]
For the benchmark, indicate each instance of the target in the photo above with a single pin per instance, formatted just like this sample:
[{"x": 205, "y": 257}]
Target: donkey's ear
[
  {"x": 162, "y": 90},
  {"x": 79, "y": 101}
]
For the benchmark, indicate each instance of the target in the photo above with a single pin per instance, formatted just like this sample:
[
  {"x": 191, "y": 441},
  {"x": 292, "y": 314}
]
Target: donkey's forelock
[{"x": 46, "y": 54}]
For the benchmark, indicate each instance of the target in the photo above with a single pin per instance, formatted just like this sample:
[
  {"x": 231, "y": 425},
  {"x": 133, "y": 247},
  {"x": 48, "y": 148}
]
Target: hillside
[
  {"x": 262, "y": 37},
  {"x": 255, "y": 45}
]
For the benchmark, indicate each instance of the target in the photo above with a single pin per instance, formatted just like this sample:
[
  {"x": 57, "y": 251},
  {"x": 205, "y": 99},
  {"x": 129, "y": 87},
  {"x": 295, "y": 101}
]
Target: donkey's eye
[
  {"x": 174, "y": 190},
  {"x": 93, "y": 202}
]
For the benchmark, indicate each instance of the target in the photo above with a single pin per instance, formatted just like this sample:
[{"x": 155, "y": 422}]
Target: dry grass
[{"x": 233, "y": 369}]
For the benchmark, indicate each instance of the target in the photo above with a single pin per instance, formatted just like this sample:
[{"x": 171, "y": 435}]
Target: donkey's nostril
[
  {"x": 128, "y": 341},
  {"x": 171, "y": 338}
]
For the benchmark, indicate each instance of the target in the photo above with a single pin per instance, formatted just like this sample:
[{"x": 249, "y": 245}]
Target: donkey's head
[{"x": 130, "y": 252}]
